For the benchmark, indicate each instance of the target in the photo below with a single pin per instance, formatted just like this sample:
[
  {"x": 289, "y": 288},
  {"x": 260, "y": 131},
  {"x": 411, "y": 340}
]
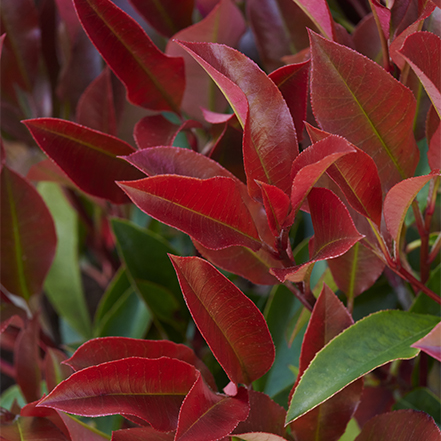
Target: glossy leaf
[
  {"x": 398, "y": 200},
  {"x": 141, "y": 434},
  {"x": 318, "y": 11},
  {"x": 206, "y": 416},
  {"x": 270, "y": 143},
  {"x": 88, "y": 157},
  {"x": 431, "y": 343},
  {"x": 27, "y": 236},
  {"x": 224, "y": 24},
  {"x": 381, "y": 338},
  {"x": 152, "y": 79},
  {"x": 422, "y": 50},
  {"x": 150, "y": 389},
  {"x": 405, "y": 425},
  {"x": 375, "y": 115},
  {"x": 230, "y": 323},
  {"x": 211, "y": 210}
]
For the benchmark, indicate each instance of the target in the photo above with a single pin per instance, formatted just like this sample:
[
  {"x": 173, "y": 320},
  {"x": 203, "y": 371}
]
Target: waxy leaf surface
[
  {"x": 152, "y": 79},
  {"x": 210, "y": 210},
  {"x": 365, "y": 104},
  {"x": 431, "y": 343},
  {"x": 88, "y": 157},
  {"x": 150, "y": 389},
  {"x": 27, "y": 236},
  {"x": 381, "y": 338},
  {"x": 207, "y": 416},
  {"x": 270, "y": 142},
  {"x": 229, "y": 321}
]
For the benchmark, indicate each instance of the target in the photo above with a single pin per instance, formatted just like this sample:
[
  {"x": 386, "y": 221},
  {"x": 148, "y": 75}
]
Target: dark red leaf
[
  {"x": 150, "y": 389},
  {"x": 101, "y": 350},
  {"x": 88, "y": 157},
  {"x": 318, "y": 11},
  {"x": 49, "y": 171},
  {"x": 166, "y": 16},
  {"x": 154, "y": 131},
  {"x": 270, "y": 143},
  {"x": 54, "y": 370},
  {"x": 32, "y": 429},
  {"x": 78, "y": 431},
  {"x": 434, "y": 153},
  {"x": 210, "y": 210},
  {"x": 141, "y": 434},
  {"x": 431, "y": 343},
  {"x": 224, "y": 24},
  {"x": 206, "y": 416},
  {"x": 28, "y": 236},
  {"x": 230, "y": 323},
  {"x": 152, "y": 79},
  {"x": 383, "y": 16},
  {"x": 365, "y": 104},
  {"x": 367, "y": 39}
]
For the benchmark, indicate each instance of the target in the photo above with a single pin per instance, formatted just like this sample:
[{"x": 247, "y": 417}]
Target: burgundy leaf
[
  {"x": 398, "y": 200},
  {"x": 88, "y": 157},
  {"x": 334, "y": 229},
  {"x": 327, "y": 421},
  {"x": 422, "y": 50},
  {"x": 28, "y": 236},
  {"x": 230, "y": 323},
  {"x": 166, "y": 16},
  {"x": 206, "y": 416},
  {"x": 150, "y": 389},
  {"x": 270, "y": 143},
  {"x": 48, "y": 171},
  {"x": 318, "y": 11},
  {"x": 383, "y": 15},
  {"x": 79, "y": 431},
  {"x": 152, "y": 79},
  {"x": 54, "y": 370},
  {"x": 366, "y": 38},
  {"x": 431, "y": 343},
  {"x": 365, "y": 104},
  {"x": 101, "y": 350},
  {"x": 210, "y": 210},
  {"x": 154, "y": 131},
  {"x": 224, "y": 24},
  {"x": 434, "y": 153},
  {"x": 259, "y": 436},
  {"x": 32, "y": 429},
  {"x": 141, "y": 434},
  {"x": 405, "y": 425}
]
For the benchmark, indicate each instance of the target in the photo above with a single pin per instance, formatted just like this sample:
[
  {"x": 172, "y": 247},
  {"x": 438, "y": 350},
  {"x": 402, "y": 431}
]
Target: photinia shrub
[{"x": 220, "y": 220}]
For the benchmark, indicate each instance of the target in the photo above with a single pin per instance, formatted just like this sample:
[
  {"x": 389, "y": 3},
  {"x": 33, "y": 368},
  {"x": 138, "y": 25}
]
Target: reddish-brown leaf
[
  {"x": 403, "y": 425},
  {"x": 229, "y": 321},
  {"x": 154, "y": 131},
  {"x": 431, "y": 343},
  {"x": 224, "y": 24},
  {"x": 88, "y": 157},
  {"x": 28, "y": 238},
  {"x": 209, "y": 210},
  {"x": 152, "y": 79},
  {"x": 365, "y": 104},
  {"x": 206, "y": 416},
  {"x": 150, "y": 389},
  {"x": 270, "y": 143}
]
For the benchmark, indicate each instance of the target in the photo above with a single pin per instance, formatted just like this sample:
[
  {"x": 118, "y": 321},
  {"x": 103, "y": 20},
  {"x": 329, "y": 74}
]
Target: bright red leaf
[
  {"x": 229, "y": 321},
  {"x": 210, "y": 210},
  {"x": 431, "y": 343},
  {"x": 150, "y": 389},
  {"x": 88, "y": 157},
  {"x": 152, "y": 79}
]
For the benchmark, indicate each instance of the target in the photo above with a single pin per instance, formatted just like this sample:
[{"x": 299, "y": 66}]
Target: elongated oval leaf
[
  {"x": 28, "y": 239},
  {"x": 150, "y": 389},
  {"x": 229, "y": 321},
  {"x": 270, "y": 142},
  {"x": 368, "y": 344},
  {"x": 210, "y": 210},
  {"x": 152, "y": 79},
  {"x": 365, "y": 104},
  {"x": 88, "y": 157},
  {"x": 318, "y": 11},
  {"x": 431, "y": 343}
]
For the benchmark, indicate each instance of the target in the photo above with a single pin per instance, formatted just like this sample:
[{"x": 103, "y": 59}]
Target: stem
[
  {"x": 435, "y": 249},
  {"x": 299, "y": 295}
]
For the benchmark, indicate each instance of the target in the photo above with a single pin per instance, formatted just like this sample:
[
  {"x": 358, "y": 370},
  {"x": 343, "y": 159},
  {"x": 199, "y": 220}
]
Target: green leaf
[
  {"x": 63, "y": 282},
  {"x": 368, "y": 344}
]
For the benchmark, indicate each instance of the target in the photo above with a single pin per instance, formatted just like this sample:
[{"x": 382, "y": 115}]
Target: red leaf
[
  {"x": 224, "y": 24},
  {"x": 79, "y": 431},
  {"x": 334, "y": 229},
  {"x": 210, "y": 210},
  {"x": 270, "y": 143},
  {"x": 167, "y": 16},
  {"x": 362, "y": 102},
  {"x": 141, "y": 434},
  {"x": 54, "y": 371},
  {"x": 398, "y": 200},
  {"x": 434, "y": 153},
  {"x": 28, "y": 236},
  {"x": 150, "y": 389},
  {"x": 431, "y": 343},
  {"x": 422, "y": 50},
  {"x": 230, "y": 323},
  {"x": 206, "y": 416},
  {"x": 152, "y": 79},
  {"x": 154, "y": 131},
  {"x": 31, "y": 429},
  {"x": 383, "y": 15},
  {"x": 88, "y": 157},
  {"x": 405, "y": 425},
  {"x": 318, "y": 11},
  {"x": 101, "y": 350},
  {"x": 327, "y": 421}
]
